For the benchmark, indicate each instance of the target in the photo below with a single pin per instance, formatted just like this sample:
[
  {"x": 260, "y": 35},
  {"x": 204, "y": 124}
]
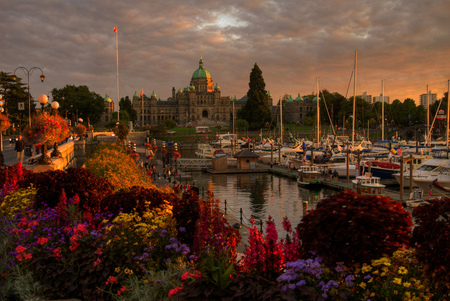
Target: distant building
[
  {"x": 380, "y": 98},
  {"x": 109, "y": 109},
  {"x": 432, "y": 98},
  {"x": 294, "y": 110},
  {"x": 366, "y": 97},
  {"x": 200, "y": 103}
]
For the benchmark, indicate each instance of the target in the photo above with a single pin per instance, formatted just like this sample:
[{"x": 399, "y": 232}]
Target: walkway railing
[{"x": 191, "y": 163}]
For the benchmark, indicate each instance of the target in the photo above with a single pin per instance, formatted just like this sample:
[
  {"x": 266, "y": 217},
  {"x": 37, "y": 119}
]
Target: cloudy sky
[{"x": 404, "y": 42}]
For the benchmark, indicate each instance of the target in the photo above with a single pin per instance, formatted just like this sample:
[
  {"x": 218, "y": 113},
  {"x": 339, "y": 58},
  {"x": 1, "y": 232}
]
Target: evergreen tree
[
  {"x": 257, "y": 110},
  {"x": 125, "y": 104}
]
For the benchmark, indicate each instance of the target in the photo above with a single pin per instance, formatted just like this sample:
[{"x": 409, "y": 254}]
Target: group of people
[{"x": 331, "y": 175}]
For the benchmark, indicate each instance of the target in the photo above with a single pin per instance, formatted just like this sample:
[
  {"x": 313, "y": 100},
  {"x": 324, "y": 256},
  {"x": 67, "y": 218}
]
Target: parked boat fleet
[{"x": 428, "y": 165}]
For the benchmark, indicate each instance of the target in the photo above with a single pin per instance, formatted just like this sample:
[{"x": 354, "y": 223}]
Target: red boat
[{"x": 382, "y": 169}]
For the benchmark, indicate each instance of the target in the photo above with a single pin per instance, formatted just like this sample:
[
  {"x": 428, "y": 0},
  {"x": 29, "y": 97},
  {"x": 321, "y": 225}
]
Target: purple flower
[{"x": 182, "y": 229}]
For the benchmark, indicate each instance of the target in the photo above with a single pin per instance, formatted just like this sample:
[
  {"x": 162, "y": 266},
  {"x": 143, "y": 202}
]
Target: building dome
[
  {"x": 201, "y": 72},
  {"x": 135, "y": 94},
  {"x": 107, "y": 99},
  {"x": 192, "y": 88},
  {"x": 290, "y": 99},
  {"x": 315, "y": 98},
  {"x": 153, "y": 95},
  {"x": 217, "y": 88},
  {"x": 299, "y": 98},
  {"x": 269, "y": 95}
]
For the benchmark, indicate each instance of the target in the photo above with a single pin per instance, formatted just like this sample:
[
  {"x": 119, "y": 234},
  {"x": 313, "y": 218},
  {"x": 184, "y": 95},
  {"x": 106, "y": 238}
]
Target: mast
[
  {"x": 428, "y": 118},
  {"x": 117, "y": 65},
  {"x": 448, "y": 108},
  {"x": 281, "y": 121},
  {"x": 318, "y": 112},
  {"x": 142, "y": 114},
  {"x": 354, "y": 102},
  {"x": 382, "y": 109}
]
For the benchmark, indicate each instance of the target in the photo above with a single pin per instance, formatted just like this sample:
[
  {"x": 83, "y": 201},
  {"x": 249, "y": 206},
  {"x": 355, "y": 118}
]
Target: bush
[
  {"x": 112, "y": 162},
  {"x": 50, "y": 185},
  {"x": 431, "y": 236},
  {"x": 16, "y": 201},
  {"x": 353, "y": 228}
]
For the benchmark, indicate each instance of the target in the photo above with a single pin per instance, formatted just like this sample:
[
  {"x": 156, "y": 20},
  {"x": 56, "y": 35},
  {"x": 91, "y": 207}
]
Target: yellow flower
[
  {"x": 402, "y": 271},
  {"x": 366, "y": 268},
  {"x": 128, "y": 272},
  {"x": 407, "y": 284},
  {"x": 117, "y": 270},
  {"x": 397, "y": 281},
  {"x": 362, "y": 284}
]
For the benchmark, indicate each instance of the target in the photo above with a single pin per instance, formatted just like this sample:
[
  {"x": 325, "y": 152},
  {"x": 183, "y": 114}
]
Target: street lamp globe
[
  {"x": 43, "y": 99},
  {"x": 55, "y": 105}
]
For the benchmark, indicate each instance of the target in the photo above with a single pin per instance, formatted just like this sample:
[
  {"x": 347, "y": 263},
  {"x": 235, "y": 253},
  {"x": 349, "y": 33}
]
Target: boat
[
  {"x": 309, "y": 175},
  {"x": 204, "y": 151},
  {"x": 283, "y": 156},
  {"x": 227, "y": 140},
  {"x": 338, "y": 163},
  {"x": 435, "y": 185},
  {"x": 368, "y": 184}
]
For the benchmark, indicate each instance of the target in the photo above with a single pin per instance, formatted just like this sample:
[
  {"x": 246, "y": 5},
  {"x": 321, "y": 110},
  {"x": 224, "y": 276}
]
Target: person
[
  {"x": 19, "y": 148},
  {"x": 335, "y": 175}
]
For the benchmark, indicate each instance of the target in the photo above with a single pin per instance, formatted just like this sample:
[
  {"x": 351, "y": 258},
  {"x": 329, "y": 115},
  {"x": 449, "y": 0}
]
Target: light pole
[
  {"x": 55, "y": 153},
  {"x": 43, "y": 99},
  {"x": 2, "y": 159},
  {"x": 28, "y": 73}
]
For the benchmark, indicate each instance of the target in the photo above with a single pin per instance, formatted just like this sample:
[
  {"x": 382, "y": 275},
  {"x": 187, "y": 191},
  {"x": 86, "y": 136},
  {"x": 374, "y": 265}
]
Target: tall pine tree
[{"x": 257, "y": 110}]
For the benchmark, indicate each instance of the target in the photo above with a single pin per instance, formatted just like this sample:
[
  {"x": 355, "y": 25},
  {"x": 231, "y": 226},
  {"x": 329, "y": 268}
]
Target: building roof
[
  {"x": 201, "y": 72},
  {"x": 246, "y": 154}
]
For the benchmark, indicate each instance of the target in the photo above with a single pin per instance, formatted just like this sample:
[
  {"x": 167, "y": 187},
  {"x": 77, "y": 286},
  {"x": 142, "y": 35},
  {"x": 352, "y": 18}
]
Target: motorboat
[
  {"x": 435, "y": 185},
  {"x": 338, "y": 163},
  {"x": 227, "y": 140},
  {"x": 283, "y": 156},
  {"x": 368, "y": 184},
  {"x": 309, "y": 175},
  {"x": 205, "y": 151}
]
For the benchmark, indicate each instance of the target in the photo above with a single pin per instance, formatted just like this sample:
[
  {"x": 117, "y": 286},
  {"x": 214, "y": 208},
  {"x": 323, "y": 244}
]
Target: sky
[{"x": 406, "y": 43}]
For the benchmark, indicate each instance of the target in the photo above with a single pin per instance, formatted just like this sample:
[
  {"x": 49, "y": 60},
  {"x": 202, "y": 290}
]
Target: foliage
[
  {"x": 76, "y": 180},
  {"x": 431, "y": 237},
  {"x": 256, "y": 110},
  {"x": 126, "y": 105},
  {"x": 111, "y": 162},
  {"x": 46, "y": 129},
  {"x": 4, "y": 122},
  {"x": 169, "y": 123},
  {"x": 241, "y": 124},
  {"x": 354, "y": 228},
  {"x": 121, "y": 131},
  {"x": 79, "y": 101},
  {"x": 10, "y": 176},
  {"x": 80, "y": 129},
  {"x": 16, "y": 201}
]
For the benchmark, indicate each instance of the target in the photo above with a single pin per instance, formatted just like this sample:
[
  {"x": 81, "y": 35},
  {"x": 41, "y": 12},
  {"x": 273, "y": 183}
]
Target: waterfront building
[
  {"x": 380, "y": 98},
  {"x": 200, "y": 103},
  {"x": 109, "y": 109},
  {"x": 366, "y": 97}
]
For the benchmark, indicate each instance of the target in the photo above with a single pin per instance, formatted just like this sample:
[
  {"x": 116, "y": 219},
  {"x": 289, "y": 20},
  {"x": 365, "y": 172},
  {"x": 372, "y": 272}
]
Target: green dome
[
  {"x": 107, "y": 98},
  {"x": 153, "y": 95},
  {"x": 135, "y": 94},
  {"x": 201, "y": 72},
  {"x": 269, "y": 95},
  {"x": 290, "y": 99},
  {"x": 315, "y": 98},
  {"x": 180, "y": 91},
  {"x": 192, "y": 87},
  {"x": 299, "y": 98},
  {"x": 186, "y": 89},
  {"x": 217, "y": 87}
]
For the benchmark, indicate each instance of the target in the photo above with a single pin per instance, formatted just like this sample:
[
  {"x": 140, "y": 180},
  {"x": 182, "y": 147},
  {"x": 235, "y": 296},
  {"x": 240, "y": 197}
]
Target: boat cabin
[{"x": 367, "y": 184}]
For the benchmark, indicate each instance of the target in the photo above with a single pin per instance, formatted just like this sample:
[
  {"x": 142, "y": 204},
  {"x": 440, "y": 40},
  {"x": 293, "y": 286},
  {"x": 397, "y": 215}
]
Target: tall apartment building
[
  {"x": 432, "y": 98},
  {"x": 367, "y": 97},
  {"x": 380, "y": 98}
]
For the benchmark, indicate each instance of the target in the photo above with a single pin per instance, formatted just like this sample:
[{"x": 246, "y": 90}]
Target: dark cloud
[{"x": 293, "y": 42}]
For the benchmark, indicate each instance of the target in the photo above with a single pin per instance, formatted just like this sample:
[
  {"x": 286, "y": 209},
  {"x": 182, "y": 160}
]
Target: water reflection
[{"x": 261, "y": 196}]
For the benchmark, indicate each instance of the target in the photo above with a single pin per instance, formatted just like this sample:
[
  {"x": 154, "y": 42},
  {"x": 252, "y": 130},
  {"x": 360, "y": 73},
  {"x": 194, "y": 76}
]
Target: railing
[{"x": 191, "y": 163}]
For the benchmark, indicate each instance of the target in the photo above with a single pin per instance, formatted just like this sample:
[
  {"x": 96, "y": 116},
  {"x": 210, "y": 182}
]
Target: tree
[
  {"x": 126, "y": 105},
  {"x": 169, "y": 123},
  {"x": 121, "y": 131},
  {"x": 256, "y": 110},
  {"x": 78, "y": 101}
]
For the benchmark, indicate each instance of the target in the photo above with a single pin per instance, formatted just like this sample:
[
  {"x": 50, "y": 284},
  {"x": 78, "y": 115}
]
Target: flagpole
[
  {"x": 142, "y": 112},
  {"x": 117, "y": 65}
]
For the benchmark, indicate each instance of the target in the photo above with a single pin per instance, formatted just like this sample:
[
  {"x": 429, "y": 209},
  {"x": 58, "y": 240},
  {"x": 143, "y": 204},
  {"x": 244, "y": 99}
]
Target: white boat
[
  {"x": 227, "y": 140},
  {"x": 435, "y": 185},
  {"x": 338, "y": 163},
  {"x": 283, "y": 156},
  {"x": 309, "y": 175},
  {"x": 204, "y": 151},
  {"x": 366, "y": 184},
  {"x": 431, "y": 167}
]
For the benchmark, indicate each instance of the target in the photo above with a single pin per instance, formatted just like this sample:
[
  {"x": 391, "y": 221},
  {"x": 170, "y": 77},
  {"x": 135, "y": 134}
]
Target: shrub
[
  {"x": 431, "y": 236},
  {"x": 112, "y": 163},
  {"x": 50, "y": 185},
  {"x": 353, "y": 228}
]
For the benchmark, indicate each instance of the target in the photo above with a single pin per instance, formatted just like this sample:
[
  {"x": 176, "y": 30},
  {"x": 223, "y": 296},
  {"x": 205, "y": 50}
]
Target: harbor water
[{"x": 260, "y": 195}]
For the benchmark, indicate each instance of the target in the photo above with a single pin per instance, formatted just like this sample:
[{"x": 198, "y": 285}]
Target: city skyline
[{"x": 401, "y": 42}]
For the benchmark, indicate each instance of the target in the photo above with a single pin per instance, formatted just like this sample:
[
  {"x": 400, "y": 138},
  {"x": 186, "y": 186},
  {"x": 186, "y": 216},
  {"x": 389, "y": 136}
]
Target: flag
[
  {"x": 115, "y": 29},
  {"x": 142, "y": 93},
  {"x": 393, "y": 151},
  {"x": 399, "y": 152},
  {"x": 303, "y": 145}
]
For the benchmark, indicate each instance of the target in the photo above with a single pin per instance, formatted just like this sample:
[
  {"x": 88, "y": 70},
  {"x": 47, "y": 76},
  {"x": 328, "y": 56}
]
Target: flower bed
[{"x": 65, "y": 238}]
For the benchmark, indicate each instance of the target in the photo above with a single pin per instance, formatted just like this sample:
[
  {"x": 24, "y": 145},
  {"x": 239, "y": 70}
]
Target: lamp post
[
  {"x": 55, "y": 153},
  {"x": 28, "y": 73},
  {"x": 43, "y": 99},
  {"x": 2, "y": 159}
]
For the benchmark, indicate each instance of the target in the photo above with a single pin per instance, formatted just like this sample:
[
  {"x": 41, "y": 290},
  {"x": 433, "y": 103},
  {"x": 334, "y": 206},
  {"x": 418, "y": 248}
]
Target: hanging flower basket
[
  {"x": 163, "y": 151},
  {"x": 4, "y": 123},
  {"x": 80, "y": 130},
  {"x": 176, "y": 155}
]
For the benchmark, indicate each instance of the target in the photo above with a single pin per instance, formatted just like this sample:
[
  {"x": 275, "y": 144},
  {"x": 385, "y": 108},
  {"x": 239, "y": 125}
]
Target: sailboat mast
[
  {"x": 117, "y": 67},
  {"x": 382, "y": 109},
  {"x": 354, "y": 101},
  {"x": 318, "y": 111},
  {"x": 428, "y": 118}
]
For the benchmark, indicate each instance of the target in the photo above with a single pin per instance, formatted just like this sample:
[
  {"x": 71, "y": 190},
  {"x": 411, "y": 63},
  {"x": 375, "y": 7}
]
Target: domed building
[
  {"x": 295, "y": 110},
  {"x": 109, "y": 109},
  {"x": 200, "y": 103}
]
